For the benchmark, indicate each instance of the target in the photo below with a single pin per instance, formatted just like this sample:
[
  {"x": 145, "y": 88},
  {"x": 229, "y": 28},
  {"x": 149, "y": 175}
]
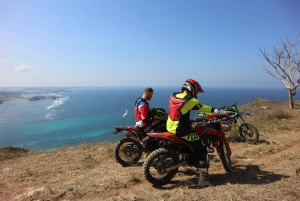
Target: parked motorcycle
[
  {"x": 247, "y": 130},
  {"x": 130, "y": 149},
  {"x": 162, "y": 164}
]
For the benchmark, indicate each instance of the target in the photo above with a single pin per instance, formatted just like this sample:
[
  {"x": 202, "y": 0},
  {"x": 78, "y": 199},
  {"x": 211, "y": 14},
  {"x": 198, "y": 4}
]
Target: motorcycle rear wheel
[
  {"x": 156, "y": 163},
  {"x": 249, "y": 133},
  {"x": 128, "y": 152},
  {"x": 224, "y": 155}
]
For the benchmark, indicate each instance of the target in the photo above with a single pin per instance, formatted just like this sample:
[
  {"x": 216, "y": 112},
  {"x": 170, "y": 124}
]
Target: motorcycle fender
[
  {"x": 201, "y": 130},
  {"x": 131, "y": 135},
  {"x": 126, "y": 128},
  {"x": 214, "y": 132}
]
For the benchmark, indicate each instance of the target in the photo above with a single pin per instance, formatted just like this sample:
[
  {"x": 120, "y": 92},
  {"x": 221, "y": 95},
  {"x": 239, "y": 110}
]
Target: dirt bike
[
  {"x": 130, "y": 149},
  {"x": 163, "y": 163},
  {"x": 247, "y": 130}
]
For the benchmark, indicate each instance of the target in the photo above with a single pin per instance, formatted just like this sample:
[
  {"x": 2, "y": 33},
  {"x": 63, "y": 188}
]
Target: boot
[{"x": 203, "y": 178}]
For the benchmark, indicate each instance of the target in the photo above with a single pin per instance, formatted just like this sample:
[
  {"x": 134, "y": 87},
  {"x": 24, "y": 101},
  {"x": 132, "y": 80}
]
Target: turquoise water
[{"x": 90, "y": 114}]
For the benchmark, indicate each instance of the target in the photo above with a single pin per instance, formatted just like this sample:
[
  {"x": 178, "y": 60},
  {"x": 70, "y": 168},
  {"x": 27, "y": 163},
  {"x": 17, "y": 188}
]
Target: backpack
[{"x": 158, "y": 114}]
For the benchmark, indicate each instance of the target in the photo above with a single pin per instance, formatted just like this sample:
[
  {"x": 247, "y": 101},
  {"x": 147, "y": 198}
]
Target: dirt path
[
  {"x": 262, "y": 172},
  {"x": 293, "y": 148},
  {"x": 188, "y": 177}
]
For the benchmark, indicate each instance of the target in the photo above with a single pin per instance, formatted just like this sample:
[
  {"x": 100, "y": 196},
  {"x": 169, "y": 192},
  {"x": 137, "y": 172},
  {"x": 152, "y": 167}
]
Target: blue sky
[{"x": 141, "y": 43}]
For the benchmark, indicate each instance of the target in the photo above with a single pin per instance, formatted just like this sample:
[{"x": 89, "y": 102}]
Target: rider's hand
[{"x": 223, "y": 112}]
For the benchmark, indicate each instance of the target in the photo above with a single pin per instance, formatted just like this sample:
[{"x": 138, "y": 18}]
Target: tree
[{"x": 285, "y": 61}]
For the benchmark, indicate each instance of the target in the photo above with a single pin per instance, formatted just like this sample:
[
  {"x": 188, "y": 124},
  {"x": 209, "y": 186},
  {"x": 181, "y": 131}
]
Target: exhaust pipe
[{"x": 176, "y": 166}]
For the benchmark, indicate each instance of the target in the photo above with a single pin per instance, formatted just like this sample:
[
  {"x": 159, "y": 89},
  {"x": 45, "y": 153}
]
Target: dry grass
[{"x": 265, "y": 171}]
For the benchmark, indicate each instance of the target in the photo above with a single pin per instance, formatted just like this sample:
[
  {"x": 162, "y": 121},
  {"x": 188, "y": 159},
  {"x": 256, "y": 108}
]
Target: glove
[{"x": 220, "y": 112}]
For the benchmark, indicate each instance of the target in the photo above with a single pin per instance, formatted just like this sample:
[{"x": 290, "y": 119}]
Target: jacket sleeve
[{"x": 204, "y": 108}]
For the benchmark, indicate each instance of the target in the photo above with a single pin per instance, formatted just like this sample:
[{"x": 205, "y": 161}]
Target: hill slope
[{"x": 264, "y": 171}]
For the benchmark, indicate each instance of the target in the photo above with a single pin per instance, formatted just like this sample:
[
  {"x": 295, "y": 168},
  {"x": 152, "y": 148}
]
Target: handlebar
[
  {"x": 207, "y": 118},
  {"x": 232, "y": 105},
  {"x": 197, "y": 120}
]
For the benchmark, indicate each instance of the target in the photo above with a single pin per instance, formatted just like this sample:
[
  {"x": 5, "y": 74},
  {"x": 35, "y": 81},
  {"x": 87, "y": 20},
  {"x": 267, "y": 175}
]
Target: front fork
[
  {"x": 237, "y": 120},
  {"x": 225, "y": 141}
]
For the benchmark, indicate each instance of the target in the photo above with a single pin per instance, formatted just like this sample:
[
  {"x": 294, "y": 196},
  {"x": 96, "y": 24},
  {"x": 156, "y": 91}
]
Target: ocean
[{"x": 89, "y": 114}]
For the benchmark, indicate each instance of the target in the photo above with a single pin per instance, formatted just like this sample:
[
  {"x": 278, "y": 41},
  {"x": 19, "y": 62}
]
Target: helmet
[{"x": 192, "y": 86}]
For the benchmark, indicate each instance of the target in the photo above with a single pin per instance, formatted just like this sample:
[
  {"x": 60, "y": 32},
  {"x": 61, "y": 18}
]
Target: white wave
[
  {"x": 55, "y": 104},
  {"x": 58, "y": 102},
  {"x": 50, "y": 115}
]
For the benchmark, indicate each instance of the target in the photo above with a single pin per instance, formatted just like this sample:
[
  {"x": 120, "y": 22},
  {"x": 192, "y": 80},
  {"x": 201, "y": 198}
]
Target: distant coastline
[{"x": 11, "y": 95}]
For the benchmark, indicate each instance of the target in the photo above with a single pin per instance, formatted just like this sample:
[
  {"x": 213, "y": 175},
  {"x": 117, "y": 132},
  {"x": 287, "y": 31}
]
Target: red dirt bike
[
  {"x": 163, "y": 163},
  {"x": 130, "y": 149}
]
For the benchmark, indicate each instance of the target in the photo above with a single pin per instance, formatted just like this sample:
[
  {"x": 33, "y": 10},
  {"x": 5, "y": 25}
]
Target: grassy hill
[{"x": 264, "y": 171}]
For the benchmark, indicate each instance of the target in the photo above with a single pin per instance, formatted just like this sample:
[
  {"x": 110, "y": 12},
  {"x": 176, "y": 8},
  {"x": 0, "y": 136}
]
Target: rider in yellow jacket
[{"x": 180, "y": 105}]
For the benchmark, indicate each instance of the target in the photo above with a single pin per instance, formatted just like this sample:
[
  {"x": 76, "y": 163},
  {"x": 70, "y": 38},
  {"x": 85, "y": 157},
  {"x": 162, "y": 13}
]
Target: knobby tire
[
  {"x": 249, "y": 133},
  {"x": 225, "y": 156},
  {"x": 160, "y": 159},
  {"x": 127, "y": 145}
]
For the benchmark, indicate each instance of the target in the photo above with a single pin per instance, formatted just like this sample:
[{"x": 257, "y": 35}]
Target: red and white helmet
[{"x": 192, "y": 86}]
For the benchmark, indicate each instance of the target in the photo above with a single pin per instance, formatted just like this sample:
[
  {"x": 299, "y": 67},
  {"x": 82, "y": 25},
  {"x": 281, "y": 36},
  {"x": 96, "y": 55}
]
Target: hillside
[{"x": 264, "y": 171}]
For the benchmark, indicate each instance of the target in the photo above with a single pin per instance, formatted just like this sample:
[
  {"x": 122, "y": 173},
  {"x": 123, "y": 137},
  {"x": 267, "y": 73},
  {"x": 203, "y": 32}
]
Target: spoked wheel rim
[
  {"x": 249, "y": 133},
  {"x": 225, "y": 155},
  {"x": 158, "y": 166},
  {"x": 128, "y": 151}
]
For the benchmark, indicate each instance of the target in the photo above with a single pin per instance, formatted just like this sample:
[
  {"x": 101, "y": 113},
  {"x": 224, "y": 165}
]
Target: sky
[{"x": 142, "y": 42}]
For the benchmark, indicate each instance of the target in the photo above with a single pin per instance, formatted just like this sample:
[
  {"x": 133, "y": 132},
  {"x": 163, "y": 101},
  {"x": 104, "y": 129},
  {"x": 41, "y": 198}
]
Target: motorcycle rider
[
  {"x": 178, "y": 123},
  {"x": 141, "y": 111}
]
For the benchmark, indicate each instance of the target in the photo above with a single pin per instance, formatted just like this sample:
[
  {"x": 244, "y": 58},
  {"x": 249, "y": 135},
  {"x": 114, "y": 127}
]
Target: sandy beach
[{"x": 15, "y": 100}]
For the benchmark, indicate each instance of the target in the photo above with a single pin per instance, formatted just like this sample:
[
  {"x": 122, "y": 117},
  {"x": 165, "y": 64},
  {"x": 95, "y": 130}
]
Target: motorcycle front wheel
[
  {"x": 156, "y": 164},
  {"x": 128, "y": 152},
  {"x": 225, "y": 155},
  {"x": 249, "y": 133}
]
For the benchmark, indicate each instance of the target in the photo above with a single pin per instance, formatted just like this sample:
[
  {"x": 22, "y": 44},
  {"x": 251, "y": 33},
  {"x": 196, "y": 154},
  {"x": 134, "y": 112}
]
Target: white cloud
[
  {"x": 3, "y": 61},
  {"x": 22, "y": 69}
]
